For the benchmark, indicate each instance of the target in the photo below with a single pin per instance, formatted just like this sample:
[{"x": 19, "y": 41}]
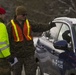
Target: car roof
[{"x": 65, "y": 20}]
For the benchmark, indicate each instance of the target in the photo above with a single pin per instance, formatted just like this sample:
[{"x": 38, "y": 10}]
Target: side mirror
[{"x": 61, "y": 44}]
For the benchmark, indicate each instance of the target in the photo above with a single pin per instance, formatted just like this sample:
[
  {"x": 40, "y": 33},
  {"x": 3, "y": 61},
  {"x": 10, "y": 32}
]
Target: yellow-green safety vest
[{"x": 4, "y": 42}]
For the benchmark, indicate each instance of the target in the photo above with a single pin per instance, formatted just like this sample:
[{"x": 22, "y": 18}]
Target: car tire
[
  {"x": 38, "y": 70},
  {"x": 70, "y": 72}
]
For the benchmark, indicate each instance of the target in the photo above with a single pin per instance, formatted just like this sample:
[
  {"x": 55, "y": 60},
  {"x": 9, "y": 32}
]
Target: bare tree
[{"x": 71, "y": 4}]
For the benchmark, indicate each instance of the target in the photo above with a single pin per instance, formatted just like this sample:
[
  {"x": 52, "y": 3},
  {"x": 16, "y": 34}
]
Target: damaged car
[{"x": 55, "y": 52}]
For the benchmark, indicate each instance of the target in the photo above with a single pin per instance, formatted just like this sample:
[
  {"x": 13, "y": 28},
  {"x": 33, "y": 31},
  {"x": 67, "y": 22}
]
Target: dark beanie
[
  {"x": 20, "y": 10},
  {"x": 2, "y": 10}
]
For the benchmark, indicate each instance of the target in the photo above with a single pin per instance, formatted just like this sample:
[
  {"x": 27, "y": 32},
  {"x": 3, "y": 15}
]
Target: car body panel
[{"x": 55, "y": 61}]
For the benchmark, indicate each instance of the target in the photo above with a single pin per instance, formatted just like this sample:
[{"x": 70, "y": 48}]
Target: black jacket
[{"x": 24, "y": 48}]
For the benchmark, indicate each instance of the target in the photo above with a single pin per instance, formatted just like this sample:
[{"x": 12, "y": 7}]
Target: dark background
[{"x": 41, "y": 11}]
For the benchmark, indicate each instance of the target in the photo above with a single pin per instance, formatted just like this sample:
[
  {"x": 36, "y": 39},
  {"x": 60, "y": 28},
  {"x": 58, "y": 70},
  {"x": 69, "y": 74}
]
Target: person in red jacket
[{"x": 21, "y": 41}]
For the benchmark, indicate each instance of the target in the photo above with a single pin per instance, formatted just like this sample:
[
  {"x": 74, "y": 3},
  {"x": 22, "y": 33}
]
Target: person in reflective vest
[
  {"x": 17, "y": 32},
  {"x": 21, "y": 41},
  {"x": 4, "y": 45}
]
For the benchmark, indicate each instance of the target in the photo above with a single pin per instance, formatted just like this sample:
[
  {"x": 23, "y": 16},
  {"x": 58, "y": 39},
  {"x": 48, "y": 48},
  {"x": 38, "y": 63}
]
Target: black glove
[
  {"x": 52, "y": 24},
  {"x": 10, "y": 59},
  {"x": 66, "y": 36}
]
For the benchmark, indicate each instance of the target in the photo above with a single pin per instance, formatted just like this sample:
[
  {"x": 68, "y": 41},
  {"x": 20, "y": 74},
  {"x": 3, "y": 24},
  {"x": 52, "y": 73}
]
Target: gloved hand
[
  {"x": 10, "y": 59},
  {"x": 66, "y": 36},
  {"x": 52, "y": 24}
]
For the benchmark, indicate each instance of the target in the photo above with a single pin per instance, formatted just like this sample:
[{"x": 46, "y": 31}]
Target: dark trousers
[
  {"x": 29, "y": 66},
  {"x": 4, "y": 67}
]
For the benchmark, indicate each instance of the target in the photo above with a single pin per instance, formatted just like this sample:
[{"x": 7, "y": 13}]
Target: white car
[{"x": 56, "y": 49}]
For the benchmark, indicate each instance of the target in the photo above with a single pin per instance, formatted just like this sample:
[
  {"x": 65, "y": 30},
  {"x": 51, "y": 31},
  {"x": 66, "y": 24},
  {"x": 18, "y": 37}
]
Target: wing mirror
[{"x": 61, "y": 44}]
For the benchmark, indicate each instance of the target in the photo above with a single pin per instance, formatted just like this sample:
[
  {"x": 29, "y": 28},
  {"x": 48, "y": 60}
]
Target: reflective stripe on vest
[
  {"x": 26, "y": 32},
  {"x": 4, "y": 48},
  {"x": 2, "y": 43},
  {"x": 15, "y": 29}
]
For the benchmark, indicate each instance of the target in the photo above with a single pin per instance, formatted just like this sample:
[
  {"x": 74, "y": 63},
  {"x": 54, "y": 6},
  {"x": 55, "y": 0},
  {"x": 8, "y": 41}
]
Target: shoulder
[
  {"x": 2, "y": 25},
  {"x": 9, "y": 25}
]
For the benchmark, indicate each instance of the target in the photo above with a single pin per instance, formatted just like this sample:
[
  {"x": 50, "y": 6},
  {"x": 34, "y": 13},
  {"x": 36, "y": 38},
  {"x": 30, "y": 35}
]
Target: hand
[
  {"x": 52, "y": 24},
  {"x": 10, "y": 59},
  {"x": 66, "y": 36}
]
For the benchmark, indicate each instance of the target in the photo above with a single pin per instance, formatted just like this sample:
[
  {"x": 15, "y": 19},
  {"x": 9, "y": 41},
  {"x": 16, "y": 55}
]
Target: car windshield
[{"x": 52, "y": 33}]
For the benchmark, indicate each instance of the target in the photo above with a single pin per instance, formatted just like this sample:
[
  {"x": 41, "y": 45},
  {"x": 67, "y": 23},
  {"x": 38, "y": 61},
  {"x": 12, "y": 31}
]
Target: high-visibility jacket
[
  {"x": 4, "y": 42},
  {"x": 19, "y": 34}
]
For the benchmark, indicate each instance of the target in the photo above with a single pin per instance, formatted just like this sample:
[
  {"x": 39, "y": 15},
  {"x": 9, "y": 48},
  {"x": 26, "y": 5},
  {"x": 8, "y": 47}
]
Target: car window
[
  {"x": 63, "y": 29},
  {"x": 52, "y": 33},
  {"x": 55, "y": 30},
  {"x": 64, "y": 34}
]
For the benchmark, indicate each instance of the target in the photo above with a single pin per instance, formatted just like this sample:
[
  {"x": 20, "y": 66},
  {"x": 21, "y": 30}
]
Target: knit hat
[
  {"x": 2, "y": 10},
  {"x": 20, "y": 10}
]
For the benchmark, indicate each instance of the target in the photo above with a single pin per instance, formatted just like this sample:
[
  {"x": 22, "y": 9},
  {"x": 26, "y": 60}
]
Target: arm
[
  {"x": 9, "y": 30},
  {"x": 38, "y": 27},
  {"x": 41, "y": 27},
  {"x": 5, "y": 49}
]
